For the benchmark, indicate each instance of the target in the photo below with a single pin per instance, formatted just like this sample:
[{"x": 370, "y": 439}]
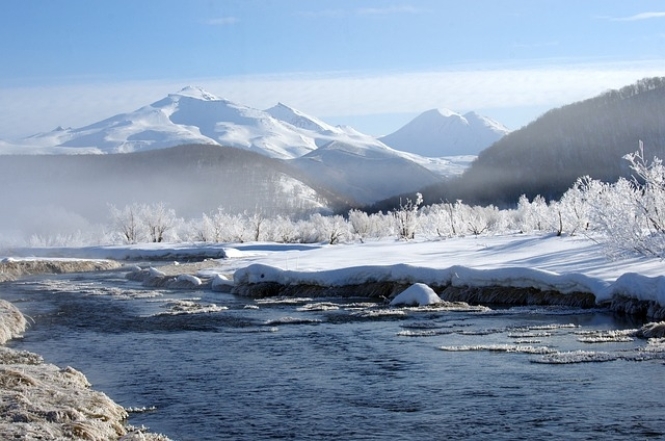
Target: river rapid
[{"x": 200, "y": 365}]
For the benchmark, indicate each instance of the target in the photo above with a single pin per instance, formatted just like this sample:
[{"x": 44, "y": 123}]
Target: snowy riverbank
[
  {"x": 571, "y": 270},
  {"x": 41, "y": 400}
]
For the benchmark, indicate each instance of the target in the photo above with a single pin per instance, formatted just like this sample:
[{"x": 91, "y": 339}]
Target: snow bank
[
  {"x": 13, "y": 268},
  {"x": 456, "y": 283},
  {"x": 417, "y": 294},
  {"x": 514, "y": 277},
  {"x": 503, "y": 270}
]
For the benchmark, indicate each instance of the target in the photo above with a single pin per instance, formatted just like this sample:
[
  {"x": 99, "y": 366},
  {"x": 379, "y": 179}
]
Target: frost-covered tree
[
  {"x": 257, "y": 221},
  {"x": 365, "y": 226},
  {"x": 533, "y": 215},
  {"x": 158, "y": 219},
  {"x": 128, "y": 222},
  {"x": 406, "y": 217},
  {"x": 649, "y": 179},
  {"x": 574, "y": 208},
  {"x": 330, "y": 229},
  {"x": 211, "y": 226}
]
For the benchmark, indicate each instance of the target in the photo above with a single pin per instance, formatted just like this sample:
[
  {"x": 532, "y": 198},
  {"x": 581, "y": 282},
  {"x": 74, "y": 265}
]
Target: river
[{"x": 208, "y": 366}]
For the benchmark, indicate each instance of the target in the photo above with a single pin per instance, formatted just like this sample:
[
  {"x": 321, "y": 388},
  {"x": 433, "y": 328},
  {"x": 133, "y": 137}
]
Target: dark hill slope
[
  {"x": 192, "y": 179},
  {"x": 546, "y": 157}
]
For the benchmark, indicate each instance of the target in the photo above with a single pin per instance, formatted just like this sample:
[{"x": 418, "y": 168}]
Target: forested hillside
[{"x": 546, "y": 157}]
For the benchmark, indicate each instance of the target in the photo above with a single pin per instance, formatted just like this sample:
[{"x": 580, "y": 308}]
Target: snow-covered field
[{"x": 566, "y": 264}]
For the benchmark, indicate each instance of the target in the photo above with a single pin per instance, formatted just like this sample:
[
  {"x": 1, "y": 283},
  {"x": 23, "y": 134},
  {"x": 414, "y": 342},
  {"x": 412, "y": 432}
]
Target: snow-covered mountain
[
  {"x": 360, "y": 167},
  {"x": 442, "y": 132},
  {"x": 190, "y": 116}
]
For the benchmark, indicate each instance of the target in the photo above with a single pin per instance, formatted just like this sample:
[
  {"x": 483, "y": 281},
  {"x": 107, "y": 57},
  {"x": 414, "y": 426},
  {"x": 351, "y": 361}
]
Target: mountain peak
[
  {"x": 298, "y": 119},
  {"x": 197, "y": 92},
  {"x": 442, "y": 132},
  {"x": 447, "y": 113}
]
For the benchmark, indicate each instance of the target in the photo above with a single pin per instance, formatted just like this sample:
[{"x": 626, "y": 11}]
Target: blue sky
[{"x": 370, "y": 64}]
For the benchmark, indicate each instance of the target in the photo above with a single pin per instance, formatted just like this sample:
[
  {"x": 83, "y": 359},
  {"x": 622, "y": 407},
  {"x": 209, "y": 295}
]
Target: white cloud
[
  {"x": 326, "y": 13},
  {"x": 27, "y": 110},
  {"x": 388, "y": 10},
  {"x": 222, "y": 21},
  {"x": 641, "y": 16},
  {"x": 341, "y": 13}
]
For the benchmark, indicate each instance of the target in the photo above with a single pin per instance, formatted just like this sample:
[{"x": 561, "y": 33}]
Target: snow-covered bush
[
  {"x": 365, "y": 226},
  {"x": 143, "y": 222},
  {"x": 631, "y": 214},
  {"x": 406, "y": 217}
]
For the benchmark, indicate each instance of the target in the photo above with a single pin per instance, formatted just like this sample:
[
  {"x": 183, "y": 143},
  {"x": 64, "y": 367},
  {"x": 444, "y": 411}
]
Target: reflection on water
[{"x": 216, "y": 366}]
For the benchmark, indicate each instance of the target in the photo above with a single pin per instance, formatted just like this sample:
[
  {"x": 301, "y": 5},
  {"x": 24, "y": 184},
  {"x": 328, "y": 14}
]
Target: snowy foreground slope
[{"x": 567, "y": 265}]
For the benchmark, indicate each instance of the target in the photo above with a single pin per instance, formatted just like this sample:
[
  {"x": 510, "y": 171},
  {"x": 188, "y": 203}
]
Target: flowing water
[{"x": 210, "y": 366}]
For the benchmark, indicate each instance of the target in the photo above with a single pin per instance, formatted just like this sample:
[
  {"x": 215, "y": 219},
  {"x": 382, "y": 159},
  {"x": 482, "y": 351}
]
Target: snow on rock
[
  {"x": 154, "y": 278},
  {"x": 13, "y": 268},
  {"x": 188, "y": 278},
  {"x": 221, "y": 283},
  {"x": 42, "y": 401},
  {"x": 417, "y": 294},
  {"x": 652, "y": 330},
  {"x": 12, "y": 322}
]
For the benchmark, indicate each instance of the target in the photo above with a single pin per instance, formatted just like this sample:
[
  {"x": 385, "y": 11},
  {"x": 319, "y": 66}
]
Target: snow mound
[{"x": 417, "y": 294}]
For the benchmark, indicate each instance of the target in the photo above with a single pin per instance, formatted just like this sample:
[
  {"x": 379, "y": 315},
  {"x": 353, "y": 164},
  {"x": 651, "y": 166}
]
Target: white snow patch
[{"x": 417, "y": 294}]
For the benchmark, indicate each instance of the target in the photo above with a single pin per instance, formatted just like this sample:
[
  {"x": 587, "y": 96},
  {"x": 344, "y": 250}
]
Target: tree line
[{"x": 627, "y": 215}]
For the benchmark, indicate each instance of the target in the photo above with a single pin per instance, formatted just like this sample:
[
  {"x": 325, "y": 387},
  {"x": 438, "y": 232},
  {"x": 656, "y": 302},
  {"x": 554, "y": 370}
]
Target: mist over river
[{"x": 208, "y": 366}]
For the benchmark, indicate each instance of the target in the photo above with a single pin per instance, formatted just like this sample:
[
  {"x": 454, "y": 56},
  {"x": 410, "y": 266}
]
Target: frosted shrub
[
  {"x": 574, "y": 208},
  {"x": 650, "y": 183},
  {"x": 285, "y": 230},
  {"x": 366, "y": 226},
  {"x": 534, "y": 215},
  {"x": 615, "y": 215},
  {"x": 441, "y": 220},
  {"x": 406, "y": 217},
  {"x": 478, "y": 220},
  {"x": 642, "y": 227},
  {"x": 141, "y": 222}
]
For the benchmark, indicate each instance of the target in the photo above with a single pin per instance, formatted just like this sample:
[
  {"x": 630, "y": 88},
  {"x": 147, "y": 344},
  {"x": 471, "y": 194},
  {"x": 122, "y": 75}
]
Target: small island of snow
[{"x": 417, "y": 294}]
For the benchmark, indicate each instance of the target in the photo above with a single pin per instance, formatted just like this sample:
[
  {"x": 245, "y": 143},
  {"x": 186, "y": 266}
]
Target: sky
[{"x": 373, "y": 65}]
